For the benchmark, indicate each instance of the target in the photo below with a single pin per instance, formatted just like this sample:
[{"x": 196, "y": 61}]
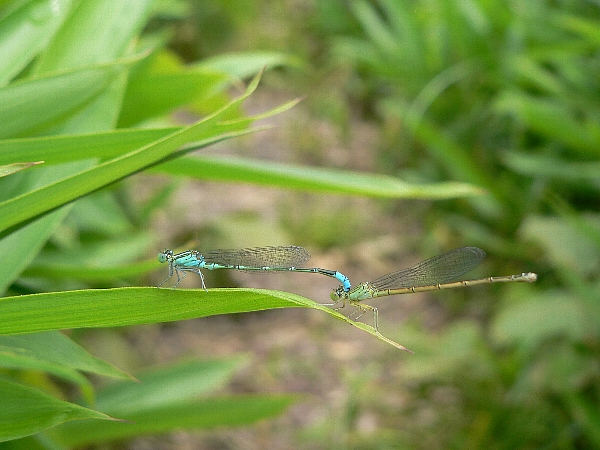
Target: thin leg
[
  {"x": 363, "y": 309},
  {"x": 201, "y": 279},
  {"x": 343, "y": 300},
  {"x": 179, "y": 278},
  {"x": 170, "y": 275}
]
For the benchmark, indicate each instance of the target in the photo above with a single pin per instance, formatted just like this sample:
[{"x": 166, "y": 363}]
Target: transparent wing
[
  {"x": 275, "y": 257},
  {"x": 437, "y": 270}
]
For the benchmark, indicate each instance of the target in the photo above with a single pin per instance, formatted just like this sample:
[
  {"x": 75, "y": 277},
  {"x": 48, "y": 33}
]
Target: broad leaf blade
[
  {"x": 93, "y": 308},
  {"x": 27, "y": 241},
  {"x": 18, "y": 211},
  {"x": 204, "y": 414},
  {"x": 55, "y": 347},
  {"x": 26, "y": 31},
  {"x": 66, "y": 148},
  {"x": 311, "y": 178},
  {"x": 26, "y": 411},
  {"x": 9, "y": 169},
  {"x": 167, "y": 386},
  {"x": 36, "y": 104}
]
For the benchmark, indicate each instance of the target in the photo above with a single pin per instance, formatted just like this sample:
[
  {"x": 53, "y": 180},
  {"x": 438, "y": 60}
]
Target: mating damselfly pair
[{"x": 439, "y": 272}]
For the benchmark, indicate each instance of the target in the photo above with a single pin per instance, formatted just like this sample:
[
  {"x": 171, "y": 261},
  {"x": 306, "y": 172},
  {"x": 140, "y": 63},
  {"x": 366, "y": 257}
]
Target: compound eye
[{"x": 165, "y": 256}]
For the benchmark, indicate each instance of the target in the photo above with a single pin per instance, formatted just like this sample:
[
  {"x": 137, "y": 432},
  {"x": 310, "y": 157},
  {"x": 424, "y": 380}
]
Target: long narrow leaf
[
  {"x": 58, "y": 149},
  {"x": 311, "y": 178},
  {"x": 26, "y": 411},
  {"x": 168, "y": 386},
  {"x": 57, "y": 348},
  {"x": 66, "y": 148},
  {"x": 19, "y": 211},
  {"x": 105, "y": 30},
  {"x": 39, "y": 103},
  {"x": 22, "y": 38},
  {"x": 95, "y": 308},
  {"x": 27, "y": 241},
  {"x": 550, "y": 166},
  {"x": 131, "y": 306},
  {"x": 9, "y": 169},
  {"x": 211, "y": 413}
]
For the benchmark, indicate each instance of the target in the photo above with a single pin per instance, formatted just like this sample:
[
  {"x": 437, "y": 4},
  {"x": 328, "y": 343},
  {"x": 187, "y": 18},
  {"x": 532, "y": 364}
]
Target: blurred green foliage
[
  {"x": 85, "y": 101},
  {"x": 504, "y": 95},
  {"x": 63, "y": 91},
  {"x": 501, "y": 95}
]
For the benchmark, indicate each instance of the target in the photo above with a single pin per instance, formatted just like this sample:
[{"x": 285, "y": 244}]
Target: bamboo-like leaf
[
  {"x": 39, "y": 103},
  {"x": 27, "y": 241},
  {"x": 22, "y": 38},
  {"x": 247, "y": 64},
  {"x": 18, "y": 211},
  {"x": 93, "y": 308},
  {"x": 106, "y": 29},
  {"x": 66, "y": 148},
  {"x": 555, "y": 121},
  {"x": 550, "y": 166},
  {"x": 164, "y": 84},
  {"x": 56, "y": 348},
  {"x": 26, "y": 411},
  {"x": 9, "y": 169},
  {"x": 106, "y": 145},
  {"x": 163, "y": 387},
  {"x": 168, "y": 398},
  {"x": 203, "y": 414},
  {"x": 311, "y": 178}
]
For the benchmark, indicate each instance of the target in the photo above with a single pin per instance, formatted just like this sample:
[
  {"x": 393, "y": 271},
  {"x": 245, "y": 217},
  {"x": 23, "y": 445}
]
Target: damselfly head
[
  {"x": 165, "y": 256},
  {"x": 337, "y": 294}
]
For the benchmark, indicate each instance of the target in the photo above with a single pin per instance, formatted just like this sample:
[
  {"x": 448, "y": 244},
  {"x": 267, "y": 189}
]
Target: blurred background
[{"x": 502, "y": 95}]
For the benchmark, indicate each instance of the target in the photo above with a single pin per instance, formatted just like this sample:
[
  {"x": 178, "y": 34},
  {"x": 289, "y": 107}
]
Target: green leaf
[
  {"x": 157, "y": 94},
  {"x": 20, "y": 210},
  {"x": 166, "y": 399},
  {"x": 564, "y": 246},
  {"x": 26, "y": 31},
  {"x": 95, "y": 32},
  {"x": 9, "y": 169},
  {"x": 210, "y": 413},
  {"x": 112, "y": 29},
  {"x": 538, "y": 319},
  {"x": 111, "y": 144},
  {"x": 15, "y": 357},
  {"x": 26, "y": 411},
  {"x": 243, "y": 65},
  {"x": 549, "y": 166},
  {"x": 27, "y": 241},
  {"x": 583, "y": 26},
  {"x": 167, "y": 386},
  {"x": 131, "y": 306},
  {"x": 311, "y": 178},
  {"x": 95, "y": 308},
  {"x": 56, "y": 348},
  {"x": 554, "y": 121},
  {"x": 54, "y": 353},
  {"x": 32, "y": 105},
  {"x": 161, "y": 84},
  {"x": 76, "y": 88},
  {"x": 66, "y": 148},
  {"x": 585, "y": 412}
]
